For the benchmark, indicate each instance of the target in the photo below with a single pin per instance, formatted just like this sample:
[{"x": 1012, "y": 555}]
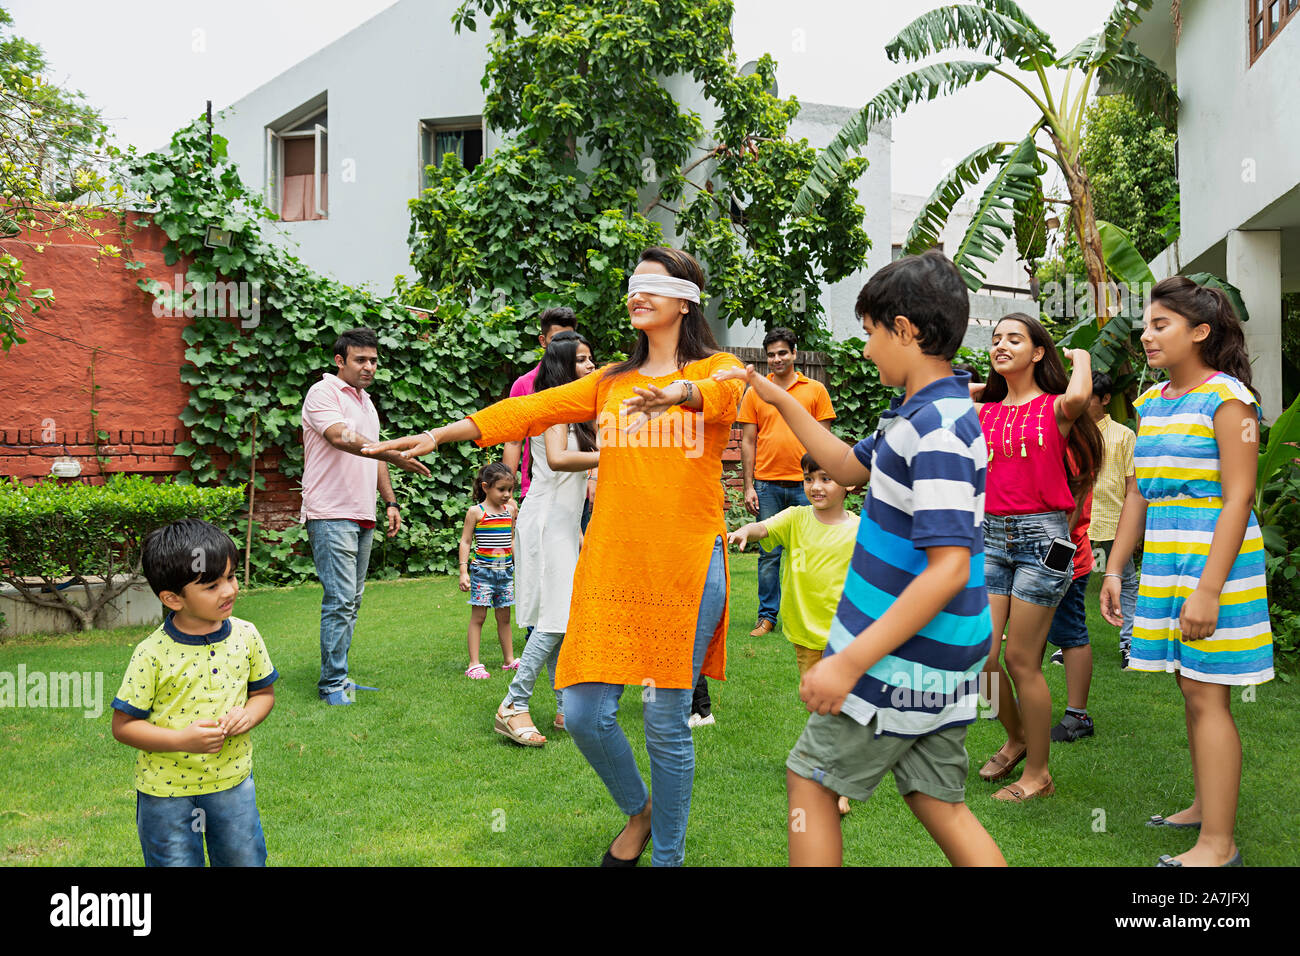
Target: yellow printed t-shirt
[
  {"x": 176, "y": 678},
  {"x": 778, "y": 453},
  {"x": 813, "y": 569}
]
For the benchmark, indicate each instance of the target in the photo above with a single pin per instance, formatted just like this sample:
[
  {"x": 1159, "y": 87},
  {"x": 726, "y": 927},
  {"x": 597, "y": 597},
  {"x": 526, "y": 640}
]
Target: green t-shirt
[
  {"x": 813, "y": 568},
  {"x": 176, "y": 678}
]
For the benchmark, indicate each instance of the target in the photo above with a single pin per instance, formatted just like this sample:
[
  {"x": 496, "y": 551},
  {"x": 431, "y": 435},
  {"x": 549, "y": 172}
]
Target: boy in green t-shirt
[
  {"x": 817, "y": 542},
  {"x": 194, "y": 689}
]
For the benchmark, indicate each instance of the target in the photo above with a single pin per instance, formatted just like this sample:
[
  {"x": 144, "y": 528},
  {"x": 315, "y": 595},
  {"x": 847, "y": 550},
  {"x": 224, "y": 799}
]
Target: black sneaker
[
  {"x": 1058, "y": 657},
  {"x": 1123, "y": 658},
  {"x": 1071, "y": 728}
]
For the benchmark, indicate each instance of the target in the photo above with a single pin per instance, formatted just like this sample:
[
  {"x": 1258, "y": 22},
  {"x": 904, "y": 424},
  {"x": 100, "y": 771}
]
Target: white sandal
[{"x": 524, "y": 736}]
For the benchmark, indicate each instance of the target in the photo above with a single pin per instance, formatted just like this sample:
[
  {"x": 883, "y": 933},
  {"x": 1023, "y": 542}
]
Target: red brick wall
[{"x": 100, "y": 312}]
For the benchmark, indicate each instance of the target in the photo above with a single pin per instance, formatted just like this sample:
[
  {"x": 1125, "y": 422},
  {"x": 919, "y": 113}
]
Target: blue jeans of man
[
  {"x": 541, "y": 651},
  {"x": 173, "y": 829},
  {"x": 591, "y": 712},
  {"x": 773, "y": 498},
  {"x": 341, "y": 550}
]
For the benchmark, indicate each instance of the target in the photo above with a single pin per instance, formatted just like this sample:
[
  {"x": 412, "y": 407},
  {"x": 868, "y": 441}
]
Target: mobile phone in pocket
[{"x": 1060, "y": 555}]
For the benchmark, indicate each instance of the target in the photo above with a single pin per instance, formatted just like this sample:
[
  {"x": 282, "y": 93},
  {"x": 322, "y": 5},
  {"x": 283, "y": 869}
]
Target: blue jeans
[
  {"x": 591, "y": 712},
  {"x": 341, "y": 550},
  {"x": 773, "y": 499},
  {"x": 542, "y": 650},
  {"x": 172, "y": 829}
]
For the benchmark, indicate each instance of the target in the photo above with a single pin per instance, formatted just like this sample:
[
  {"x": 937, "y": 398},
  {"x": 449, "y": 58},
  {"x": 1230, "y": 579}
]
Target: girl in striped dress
[
  {"x": 1202, "y": 611},
  {"x": 490, "y": 577}
]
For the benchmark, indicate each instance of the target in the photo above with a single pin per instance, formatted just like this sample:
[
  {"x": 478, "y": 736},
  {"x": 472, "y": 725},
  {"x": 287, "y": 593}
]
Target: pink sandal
[
  {"x": 477, "y": 672},
  {"x": 512, "y": 666}
]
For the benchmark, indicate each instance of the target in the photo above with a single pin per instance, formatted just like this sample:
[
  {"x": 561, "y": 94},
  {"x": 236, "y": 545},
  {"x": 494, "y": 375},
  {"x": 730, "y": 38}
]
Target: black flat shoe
[
  {"x": 1158, "y": 821},
  {"x": 611, "y": 860}
]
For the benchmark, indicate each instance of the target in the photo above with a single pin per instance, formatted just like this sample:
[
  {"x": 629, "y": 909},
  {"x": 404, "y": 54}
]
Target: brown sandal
[
  {"x": 999, "y": 766},
  {"x": 1016, "y": 793}
]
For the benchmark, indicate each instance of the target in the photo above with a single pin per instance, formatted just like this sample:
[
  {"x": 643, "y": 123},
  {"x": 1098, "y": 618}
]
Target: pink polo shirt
[
  {"x": 336, "y": 484},
  {"x": 524, "y": 386}
]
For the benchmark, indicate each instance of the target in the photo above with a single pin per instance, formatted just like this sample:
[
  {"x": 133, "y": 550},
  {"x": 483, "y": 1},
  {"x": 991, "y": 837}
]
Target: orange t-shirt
[
  {"x": 659, "y": 506},
  {"x": 778, "y": 453}
]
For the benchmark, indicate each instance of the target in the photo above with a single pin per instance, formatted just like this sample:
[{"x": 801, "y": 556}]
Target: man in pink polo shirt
[
  {"x": 338, "y": 498},
  {"x": 551, "y": 321}
]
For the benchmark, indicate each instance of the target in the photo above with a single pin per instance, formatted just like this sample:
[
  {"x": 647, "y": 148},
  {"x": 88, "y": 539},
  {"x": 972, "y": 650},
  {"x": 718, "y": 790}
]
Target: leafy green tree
[
  {"x": 598, "y": 146},
  {"x": 1019, "y": 52},
  {"x": 53, "y": 149}
]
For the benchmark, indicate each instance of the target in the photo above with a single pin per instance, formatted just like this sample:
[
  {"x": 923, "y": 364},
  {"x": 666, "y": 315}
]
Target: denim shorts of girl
[
  {"x": 491, "y": 584},
  {"x": 1014, "y": 549}
]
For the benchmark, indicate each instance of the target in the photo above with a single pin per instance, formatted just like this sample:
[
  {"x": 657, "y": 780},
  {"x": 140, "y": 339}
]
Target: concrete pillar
[{"x": 1255, "y": 267}]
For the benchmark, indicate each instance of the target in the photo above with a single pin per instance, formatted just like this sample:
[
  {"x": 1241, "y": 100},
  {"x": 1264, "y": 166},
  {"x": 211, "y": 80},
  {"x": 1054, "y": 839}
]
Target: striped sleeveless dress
[
  {"x": 1177, "y": 463},
  {"x": 494, "y": 539}
]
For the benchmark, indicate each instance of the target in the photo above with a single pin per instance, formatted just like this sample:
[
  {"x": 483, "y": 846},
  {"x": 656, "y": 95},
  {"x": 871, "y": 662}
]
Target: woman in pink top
[{"x": 1031, "y": 415}]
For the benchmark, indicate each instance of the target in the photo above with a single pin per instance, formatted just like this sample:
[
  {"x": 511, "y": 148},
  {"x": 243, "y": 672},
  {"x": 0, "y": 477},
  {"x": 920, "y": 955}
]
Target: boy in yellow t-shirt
[
  {"x": 817, "y": 542},
  {"x": 194, "y": 689}
]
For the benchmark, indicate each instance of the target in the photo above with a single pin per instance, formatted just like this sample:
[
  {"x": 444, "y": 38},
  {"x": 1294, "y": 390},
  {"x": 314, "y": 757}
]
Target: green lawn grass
[{"x": 415, "y": 775}]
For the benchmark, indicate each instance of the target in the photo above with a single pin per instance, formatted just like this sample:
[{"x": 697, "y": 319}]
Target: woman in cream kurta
[{"x": 651, "y": 582}]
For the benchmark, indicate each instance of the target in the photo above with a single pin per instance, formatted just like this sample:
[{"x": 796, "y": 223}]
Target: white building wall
[
  {"x": 1007, "y": 271},
  {"x": 1238, "y": 135},
  {"x": 381, "y": 79}
]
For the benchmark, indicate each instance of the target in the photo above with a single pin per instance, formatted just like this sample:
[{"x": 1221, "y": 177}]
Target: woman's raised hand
[{"x": 411, "y": 446}]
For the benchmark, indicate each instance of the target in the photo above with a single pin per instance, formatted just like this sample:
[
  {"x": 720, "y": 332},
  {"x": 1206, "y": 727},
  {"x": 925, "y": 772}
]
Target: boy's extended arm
[
  {"x": 947, "y": 571},
  {"x": 836, "y": 457},
  {"x": 754, "y": 531}
]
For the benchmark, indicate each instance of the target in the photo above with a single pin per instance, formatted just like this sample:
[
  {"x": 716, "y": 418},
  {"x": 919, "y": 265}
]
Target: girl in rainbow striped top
[
  {"x": 490, "y": 577},
  {"x": 1202, "y": 610}
]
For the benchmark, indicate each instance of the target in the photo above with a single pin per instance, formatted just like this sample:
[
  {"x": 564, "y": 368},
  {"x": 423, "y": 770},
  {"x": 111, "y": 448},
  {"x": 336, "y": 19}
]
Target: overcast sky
[{"x": 151, "y": 64}]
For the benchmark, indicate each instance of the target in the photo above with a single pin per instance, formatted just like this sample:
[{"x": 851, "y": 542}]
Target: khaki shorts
[{"x": 849, "y": 759}]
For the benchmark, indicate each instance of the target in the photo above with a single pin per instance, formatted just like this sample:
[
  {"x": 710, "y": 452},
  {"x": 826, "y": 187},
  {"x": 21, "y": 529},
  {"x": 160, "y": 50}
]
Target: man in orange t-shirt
[{"x": 769, "y": 458}]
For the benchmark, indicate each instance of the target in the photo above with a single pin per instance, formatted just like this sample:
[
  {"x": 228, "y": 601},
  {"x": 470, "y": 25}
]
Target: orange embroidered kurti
[{"x": 659, "y": 506}]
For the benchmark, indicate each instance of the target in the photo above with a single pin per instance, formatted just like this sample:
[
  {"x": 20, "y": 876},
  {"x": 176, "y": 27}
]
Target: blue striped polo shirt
[{"x": 927, "y": 461}]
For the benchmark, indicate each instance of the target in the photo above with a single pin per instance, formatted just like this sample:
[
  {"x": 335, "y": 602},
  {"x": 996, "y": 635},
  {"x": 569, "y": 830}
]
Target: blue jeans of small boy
[
  {"x": 591, "y": 717},
  {"x": 173, "y": 829},
  {"x": 341, "y": 550},
  {"x": 542, "y": 650},
  {"x": 773, "y": 498}
]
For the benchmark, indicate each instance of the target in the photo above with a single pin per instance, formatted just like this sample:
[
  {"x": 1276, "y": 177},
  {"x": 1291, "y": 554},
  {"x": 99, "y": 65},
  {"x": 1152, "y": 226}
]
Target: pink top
[
  {"x": 524, "y": 386},
  {"x": 336, "y": 484},
  {"x": 1026, "y": 458}
]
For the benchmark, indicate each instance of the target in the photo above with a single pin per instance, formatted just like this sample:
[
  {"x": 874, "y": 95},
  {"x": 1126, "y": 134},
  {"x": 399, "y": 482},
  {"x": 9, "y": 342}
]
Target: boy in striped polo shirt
[{"x": 900, "y": 679}]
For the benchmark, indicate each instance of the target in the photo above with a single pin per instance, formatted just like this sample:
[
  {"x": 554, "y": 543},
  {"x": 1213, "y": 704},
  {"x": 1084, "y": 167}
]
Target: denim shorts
[
  {"x": 1070, "y": 623},
  {"x": 491, "y": 585},
  {"x": 1014, "y": 548}
]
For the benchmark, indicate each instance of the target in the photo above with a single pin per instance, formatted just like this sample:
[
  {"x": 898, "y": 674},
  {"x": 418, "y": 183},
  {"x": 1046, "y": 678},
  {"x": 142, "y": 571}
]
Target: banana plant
[{"x": 1022, "y": 54}]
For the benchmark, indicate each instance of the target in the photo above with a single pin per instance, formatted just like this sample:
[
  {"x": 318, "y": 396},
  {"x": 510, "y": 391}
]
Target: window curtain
[{"x": 298, "y": 203}]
